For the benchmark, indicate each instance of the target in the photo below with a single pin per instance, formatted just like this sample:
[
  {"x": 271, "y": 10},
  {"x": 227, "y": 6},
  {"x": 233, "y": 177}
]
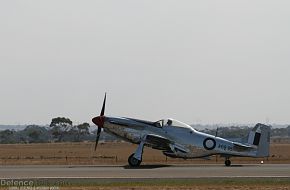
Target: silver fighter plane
[{"x": 179, "y": 140}]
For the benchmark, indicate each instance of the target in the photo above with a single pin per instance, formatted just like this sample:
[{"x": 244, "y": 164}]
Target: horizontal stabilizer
[{"x": 241, "y": 147}]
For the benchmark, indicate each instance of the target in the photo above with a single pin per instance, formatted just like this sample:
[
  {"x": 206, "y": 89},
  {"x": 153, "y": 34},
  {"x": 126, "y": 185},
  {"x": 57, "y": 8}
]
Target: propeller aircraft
[{"x": 179, "y": 140}]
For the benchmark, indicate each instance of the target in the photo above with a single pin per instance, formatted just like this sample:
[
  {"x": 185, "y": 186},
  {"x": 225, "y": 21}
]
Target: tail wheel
[
  {"x": 228, "y": 162},
  {"x": 133, "y": 162}
]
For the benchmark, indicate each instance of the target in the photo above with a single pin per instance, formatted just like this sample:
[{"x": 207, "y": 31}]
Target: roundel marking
[{"x": 209, "y": 144}]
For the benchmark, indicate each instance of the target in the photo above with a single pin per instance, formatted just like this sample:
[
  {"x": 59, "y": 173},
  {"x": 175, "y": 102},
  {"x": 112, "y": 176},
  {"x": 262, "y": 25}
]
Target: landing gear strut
[
  {"x": 227, "y": 162},
  {"x": 135, "y": 159}
]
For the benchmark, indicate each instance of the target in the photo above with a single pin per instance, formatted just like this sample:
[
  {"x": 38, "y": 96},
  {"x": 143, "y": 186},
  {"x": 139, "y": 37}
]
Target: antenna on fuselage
[{"x": 216, "y": 132}]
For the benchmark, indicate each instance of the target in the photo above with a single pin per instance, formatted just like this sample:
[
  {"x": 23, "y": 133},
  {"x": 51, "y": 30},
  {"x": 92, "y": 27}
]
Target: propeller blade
[
  {"x": 99, "y": 121},
  {"x": 98, "y": 136},
  {"x": 104, "y": 105}
]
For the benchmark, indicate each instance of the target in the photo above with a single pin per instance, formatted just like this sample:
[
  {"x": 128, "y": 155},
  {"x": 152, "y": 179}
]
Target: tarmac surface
[{"x": 146, "y": 171}]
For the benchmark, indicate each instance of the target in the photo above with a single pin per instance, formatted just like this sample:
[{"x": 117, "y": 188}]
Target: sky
[{"x": 196, "y": 61}]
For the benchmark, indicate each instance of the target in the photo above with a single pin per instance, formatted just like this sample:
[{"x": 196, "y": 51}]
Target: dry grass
[
  {"x": 110, "y": 153},
  {"x": 195, "y": 187}
]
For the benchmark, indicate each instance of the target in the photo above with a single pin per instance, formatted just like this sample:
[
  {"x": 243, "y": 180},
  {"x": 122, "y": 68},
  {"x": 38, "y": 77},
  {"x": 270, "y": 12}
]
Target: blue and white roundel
[{"x": 209, "y": 144}]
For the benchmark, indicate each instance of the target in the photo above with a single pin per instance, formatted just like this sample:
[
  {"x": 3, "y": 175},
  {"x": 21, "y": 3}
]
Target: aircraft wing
[{"x": 158, "y": 142}]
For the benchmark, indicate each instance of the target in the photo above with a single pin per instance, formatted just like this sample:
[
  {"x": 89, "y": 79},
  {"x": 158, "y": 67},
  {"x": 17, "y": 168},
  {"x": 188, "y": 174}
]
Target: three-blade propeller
[{"x": 99, "y": 121}]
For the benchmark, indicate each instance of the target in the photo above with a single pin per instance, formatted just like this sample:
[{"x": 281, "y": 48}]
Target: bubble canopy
[{"x": 171, "y": 122}]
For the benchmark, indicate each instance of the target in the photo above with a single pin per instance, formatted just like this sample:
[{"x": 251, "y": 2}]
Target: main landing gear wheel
[
  {"x": 134, "y": 162},
  {"x": 228, "y": 162}
]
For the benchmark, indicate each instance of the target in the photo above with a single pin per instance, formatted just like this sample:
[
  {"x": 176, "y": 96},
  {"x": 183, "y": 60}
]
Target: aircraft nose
[{"x": 99, "y": 121}]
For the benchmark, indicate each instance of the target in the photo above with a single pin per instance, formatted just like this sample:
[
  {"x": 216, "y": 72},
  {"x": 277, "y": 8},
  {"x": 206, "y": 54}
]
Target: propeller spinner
[{"x": 99, "y": 121}]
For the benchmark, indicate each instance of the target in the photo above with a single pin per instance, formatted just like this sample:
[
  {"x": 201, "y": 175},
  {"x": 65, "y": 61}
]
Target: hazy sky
[{"x": 197, "y": 61}]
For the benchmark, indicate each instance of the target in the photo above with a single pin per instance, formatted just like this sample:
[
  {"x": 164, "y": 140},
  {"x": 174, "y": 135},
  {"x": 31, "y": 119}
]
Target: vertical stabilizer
[{"x": 260, "y": 137}]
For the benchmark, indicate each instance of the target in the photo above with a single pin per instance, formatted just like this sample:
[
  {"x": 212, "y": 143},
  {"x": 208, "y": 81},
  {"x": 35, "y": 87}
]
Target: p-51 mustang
[{"x": 179, "y": 140}]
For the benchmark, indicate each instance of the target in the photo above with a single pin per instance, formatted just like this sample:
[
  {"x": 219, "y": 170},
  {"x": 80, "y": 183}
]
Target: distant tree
[
  {"x": 36, "y": 134},
  {"x": 279, "y": 132},
  {"x": 7, "y": 136},
  {"x": 60, "y": 126},
  {"x": 83, "y": 129},
  {"x": 79, "y": 131}
]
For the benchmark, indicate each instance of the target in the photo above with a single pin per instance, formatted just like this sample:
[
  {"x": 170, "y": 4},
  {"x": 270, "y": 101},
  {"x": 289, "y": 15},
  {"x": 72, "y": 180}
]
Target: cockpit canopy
[{"x": 171, "y": 122}]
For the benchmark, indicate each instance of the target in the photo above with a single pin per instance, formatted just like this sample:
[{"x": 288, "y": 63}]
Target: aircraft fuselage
[{"x": 186, "y": 142}]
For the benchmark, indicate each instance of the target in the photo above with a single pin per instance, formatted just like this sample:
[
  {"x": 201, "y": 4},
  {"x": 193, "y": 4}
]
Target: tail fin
[{"x": 260, "y": 137}]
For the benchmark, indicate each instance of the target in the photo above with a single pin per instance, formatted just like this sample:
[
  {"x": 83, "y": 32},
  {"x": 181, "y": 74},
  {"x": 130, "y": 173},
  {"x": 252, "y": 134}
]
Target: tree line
[
  {"x": 61, "y": 129},
  {"x": 243, "y": 131}
]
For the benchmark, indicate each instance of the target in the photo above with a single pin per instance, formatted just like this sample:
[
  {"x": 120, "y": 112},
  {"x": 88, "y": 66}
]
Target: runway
[{"x": 146, "y": 171}]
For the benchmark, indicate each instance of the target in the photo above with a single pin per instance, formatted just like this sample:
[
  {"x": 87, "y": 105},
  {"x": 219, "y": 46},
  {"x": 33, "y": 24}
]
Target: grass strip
[{"x": 188, "y": 182}]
